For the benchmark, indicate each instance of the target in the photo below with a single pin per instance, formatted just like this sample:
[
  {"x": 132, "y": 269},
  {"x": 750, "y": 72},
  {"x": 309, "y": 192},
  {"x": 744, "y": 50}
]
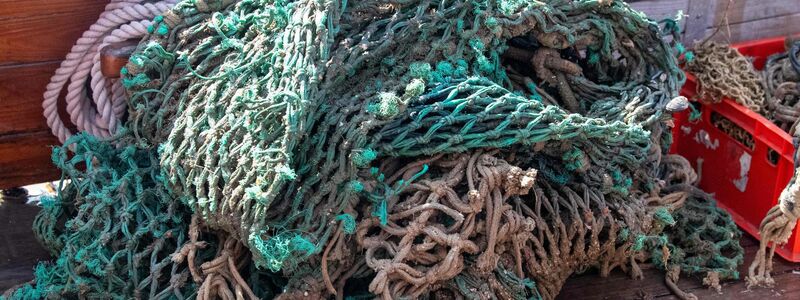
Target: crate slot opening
[
  {"x": 733, "y": 130},
  {"x": 773, "y": 156}
]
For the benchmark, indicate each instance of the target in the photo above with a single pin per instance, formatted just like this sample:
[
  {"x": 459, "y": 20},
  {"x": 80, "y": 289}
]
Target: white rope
[{"x": 99, "y": 114}]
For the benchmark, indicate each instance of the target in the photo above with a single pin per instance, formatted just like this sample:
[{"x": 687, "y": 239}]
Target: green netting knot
[
  {"x": 363, "y": 157},
  {"x": 694, "y": 114},
  {"x": 355, "y": 186},
  {"x": 285, "y": 172},
  {"x": 492, "y": 23},
  {"x": 462, "y": 68},
  {"x": 139, "y": 79},
  {"x": 509, "y": 7},
  {"x": 277, "y": 250},
  {"x": 445, "y": 68},
  {"x": 477, "y": 44},
  {"x": 381, "y": 212},
  {"x": 255, "y": 193},
  {"x": 389, "y": 61},
  {"x": 136, "y": 60},
  {"x": 388, "y": 106},
  {"x": 624, "y": 233},
  {"x": 348, "y": 223},
  {"x": 162, "y": 29},
  {"x": 414, "y": 89},
  {"x": 638, "y": 242},
  {"x": 662, "y": 214},
  {"x": 420, "y": 70},
  {"x": 574, "y": 159},
  {"x": 680, "y": 48},
  {"x": 622, "y": 183},
  {"x": 689, "y": 56},
  {"x": 594, "y": 57}
]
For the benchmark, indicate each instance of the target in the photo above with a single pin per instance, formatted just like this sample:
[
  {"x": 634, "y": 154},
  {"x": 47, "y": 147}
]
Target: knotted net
[{"x": 398, "y": 149}]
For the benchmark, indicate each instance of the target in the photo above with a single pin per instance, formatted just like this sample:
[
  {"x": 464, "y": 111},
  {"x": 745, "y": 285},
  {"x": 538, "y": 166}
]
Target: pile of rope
[
  {"x": 782, "y": 86},
  {"x": 722, "y": 71},
  {"x": 459, "y": 148},
  {"x": 782, "y": 80}
]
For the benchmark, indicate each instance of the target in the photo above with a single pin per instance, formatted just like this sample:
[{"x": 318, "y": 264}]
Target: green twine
[
  {"x": 277, "y": 250},
  {"x": 363, "y": 157},
  {"x": 663, "y": 215},
  {"x": 348, "y": 223}
]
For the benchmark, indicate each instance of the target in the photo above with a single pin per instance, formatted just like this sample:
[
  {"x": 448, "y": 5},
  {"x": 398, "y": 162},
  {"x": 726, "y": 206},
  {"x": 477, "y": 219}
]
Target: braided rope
[
  {"x": 722, "y": 71},
  {"x": 121, "y": 20}
]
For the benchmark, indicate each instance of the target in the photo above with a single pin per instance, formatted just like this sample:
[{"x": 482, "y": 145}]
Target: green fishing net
[{"x": 393, "y": 149}]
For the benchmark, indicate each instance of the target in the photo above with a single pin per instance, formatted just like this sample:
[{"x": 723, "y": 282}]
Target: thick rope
[
  {"x": 99, "y": 114},
  {"x": 722, "y": 71}
]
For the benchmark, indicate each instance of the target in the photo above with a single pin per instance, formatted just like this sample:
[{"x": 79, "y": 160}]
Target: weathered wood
[
  {"x": 661, "y": 9},
  {"x": 25, "y": 159},
  {"x": 770, "y": 27},
  {"x": 115, "y": 56},
  {"x": 43, "y": 30},
  {"x": 745, "y": 11},
  {"x": 619, "y": 286},
  {"x": 700, "y": 16},
  {"x": 25, "y": 138},
  {"x": 36, "y": 36},
  {"x": 19, "y": 250},
  {"x": 21, "y": 88}
]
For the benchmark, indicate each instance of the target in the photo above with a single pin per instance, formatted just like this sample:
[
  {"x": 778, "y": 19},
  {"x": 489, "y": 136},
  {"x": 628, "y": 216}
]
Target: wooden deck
[
  {"x": 19, "y": 249},
  {"x": 19, "y": 253},
  {"x": 619, "y": 286}
]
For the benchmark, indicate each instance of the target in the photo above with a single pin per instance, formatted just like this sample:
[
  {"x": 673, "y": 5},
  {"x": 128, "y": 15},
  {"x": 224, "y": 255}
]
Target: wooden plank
[
  {"x": 21, "y": 88},
  {"x": 43, "y": 30},
  {"x": 619, "y": 286},
  {"x": 743, "y": 11},
  {"x": 25, "y": 159},
  {"x": 700, "y": 16},
  {"x": 661, "y": 9},
  {"x": 19, "y": 249},
  {"x": 770, "y": 27}
]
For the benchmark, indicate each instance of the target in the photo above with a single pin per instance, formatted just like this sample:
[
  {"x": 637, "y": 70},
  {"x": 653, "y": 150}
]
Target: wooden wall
[
  {"x": 36, "y": 34},
  {"x": 746, "y": 19}
]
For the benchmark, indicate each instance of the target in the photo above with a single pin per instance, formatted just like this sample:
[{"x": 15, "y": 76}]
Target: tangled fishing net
[
  {"x": 722, "y": 71},
  {"x": 458, "y": 149}
]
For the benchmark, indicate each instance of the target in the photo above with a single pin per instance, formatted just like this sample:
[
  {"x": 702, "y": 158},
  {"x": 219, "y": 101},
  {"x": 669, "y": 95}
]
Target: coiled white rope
[{"x": 99, "y": 114}]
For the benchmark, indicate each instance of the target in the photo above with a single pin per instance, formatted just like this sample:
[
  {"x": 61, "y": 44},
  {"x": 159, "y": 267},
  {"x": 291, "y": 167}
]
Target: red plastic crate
[{"x": 746, "y": 174}]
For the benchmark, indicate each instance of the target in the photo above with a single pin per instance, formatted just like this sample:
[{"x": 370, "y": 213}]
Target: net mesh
[{"x": 394, "y": 149}]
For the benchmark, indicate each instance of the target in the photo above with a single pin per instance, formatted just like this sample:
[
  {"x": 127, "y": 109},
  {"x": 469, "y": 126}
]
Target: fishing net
[
  {"x": 460, "y": 149},
  {"x": 117, "y": 234},
  {"x": 722, "y": 71}
]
